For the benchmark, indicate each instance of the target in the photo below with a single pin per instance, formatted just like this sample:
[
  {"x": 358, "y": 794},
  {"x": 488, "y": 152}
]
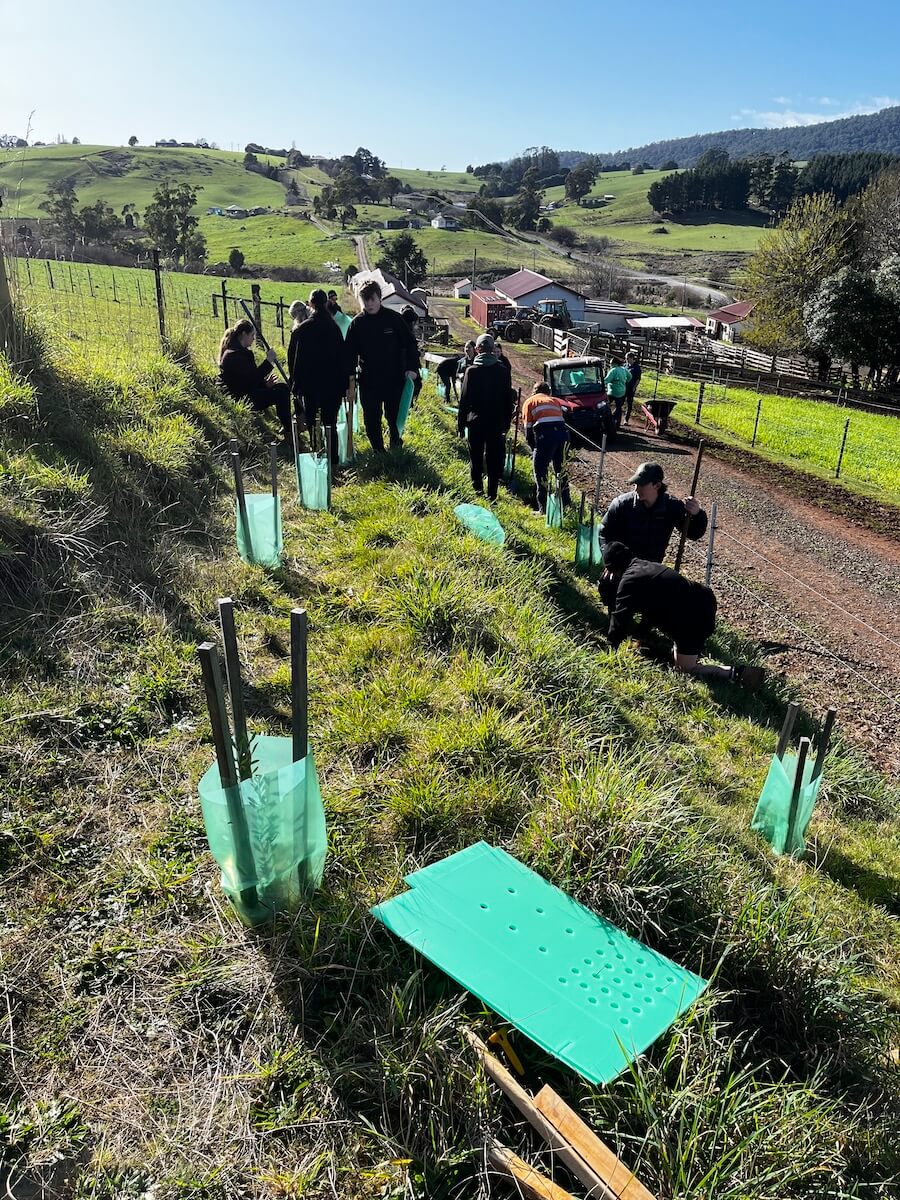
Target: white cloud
[
  {"x": 781, "y": 100},
  {"x": 791, "y": 117}
]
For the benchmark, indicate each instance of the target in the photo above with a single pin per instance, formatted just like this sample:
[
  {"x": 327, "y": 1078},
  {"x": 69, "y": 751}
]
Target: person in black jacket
[
  {"x": 486, "y": 406},
  {"x": 245, "y": 379},
  {"x": 383, "y": 345},
  {"x": 645, "y": 518},
  {"x": 317, "y": 367},
  {"x": 665, "y": 600}
]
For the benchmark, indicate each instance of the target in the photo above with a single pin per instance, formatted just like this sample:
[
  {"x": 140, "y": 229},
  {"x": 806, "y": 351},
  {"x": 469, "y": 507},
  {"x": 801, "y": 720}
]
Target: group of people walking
[{"x": 325, "y": 352}]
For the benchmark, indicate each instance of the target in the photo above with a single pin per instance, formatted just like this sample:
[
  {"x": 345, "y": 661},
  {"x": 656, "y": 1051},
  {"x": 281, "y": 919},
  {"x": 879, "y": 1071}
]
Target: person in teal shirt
[{"x": 618, "y": 377}]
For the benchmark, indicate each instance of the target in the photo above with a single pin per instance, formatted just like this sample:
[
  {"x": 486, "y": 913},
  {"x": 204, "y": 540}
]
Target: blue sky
[{"x": 433, "y": 85}]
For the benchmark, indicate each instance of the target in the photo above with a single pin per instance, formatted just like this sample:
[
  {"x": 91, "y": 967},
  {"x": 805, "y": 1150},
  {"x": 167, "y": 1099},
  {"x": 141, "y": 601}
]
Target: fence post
[
  {"x": 712, "y": 533},
  {"x": 837, "y": 473},
  {"x": 279, "y": 316},
  {"x": 115, "y": 292},
  {"x": 90, "y": 283},
  {"x": 600, "y": 472},
  {"x": 50, "y": 274},
  {"x": 756, "y": 422},
  {"x": 137, "y": 280},
  {"x": 699, "y": 402},
  {"x": 225, "y": 303},
  {"x": 161, "y": 312},
  {"x": 257, "y": 305},
  {"x": 5, "y": 304}
]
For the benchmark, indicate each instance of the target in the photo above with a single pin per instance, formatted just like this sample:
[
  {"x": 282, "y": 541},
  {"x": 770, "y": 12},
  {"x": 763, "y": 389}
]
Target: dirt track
[{"x": 819, "y": 594}]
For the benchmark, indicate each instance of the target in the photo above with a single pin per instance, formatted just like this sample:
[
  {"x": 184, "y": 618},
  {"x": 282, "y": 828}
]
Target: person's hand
[
  {"x": 270, "y": 380},
  {"x": 271, "y": 355},
  {"x": 692, "y": 506},
  {"x": 411, "y": 374}
]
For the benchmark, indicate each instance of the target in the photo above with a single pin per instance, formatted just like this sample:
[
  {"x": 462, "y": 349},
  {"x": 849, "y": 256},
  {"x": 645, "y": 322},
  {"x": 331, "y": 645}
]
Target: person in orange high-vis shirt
[{"x": 547, "y": 434}]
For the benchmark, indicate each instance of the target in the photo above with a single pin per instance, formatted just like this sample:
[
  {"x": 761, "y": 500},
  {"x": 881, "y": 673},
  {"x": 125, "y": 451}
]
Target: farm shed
[
  {"x": 234, "y": 210},
  {"x": 525, "y": 288},
  {"x": 609, "y": 315},
  {"x": 646, "y": 323},
  {"x": 393, "y": 294},
  {"x": 396, "y": 223},
  {"x": 442, "y": 222},
  {"x": 463, "y": 289},
  {"x": 486, "y": 307},
  {"x": 727, "y": 323}
]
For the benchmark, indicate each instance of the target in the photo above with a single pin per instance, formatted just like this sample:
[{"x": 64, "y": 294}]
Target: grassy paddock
[
  {"x": 458, "y": 691},
  {"x": 806, "y": 434}
]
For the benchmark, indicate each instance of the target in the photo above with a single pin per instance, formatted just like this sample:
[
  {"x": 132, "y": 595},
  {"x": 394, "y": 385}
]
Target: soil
[{"x": 808, "y": 572}]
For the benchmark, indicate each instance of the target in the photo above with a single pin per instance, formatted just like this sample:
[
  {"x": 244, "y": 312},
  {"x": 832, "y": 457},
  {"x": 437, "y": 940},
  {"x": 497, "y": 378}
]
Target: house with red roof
[
  {"x": 727, "y": 323},
  {"x": 525, "y": 288}
]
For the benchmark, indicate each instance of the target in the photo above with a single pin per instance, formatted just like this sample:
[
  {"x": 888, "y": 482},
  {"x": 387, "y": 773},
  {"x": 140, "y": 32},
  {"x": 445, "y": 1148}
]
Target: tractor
[
  {"x": 577, "y": 383},
  {"x": 516, "y": 327}
]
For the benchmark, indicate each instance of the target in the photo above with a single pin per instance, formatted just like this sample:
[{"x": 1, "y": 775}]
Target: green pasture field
[
  {"x": 452, "y": 252},
  {"x": 805, "y": 434},
  {"x": 276, "y": 240},
  {"x": 441, "y": 181},
  {"x": 630, "y": 219}
]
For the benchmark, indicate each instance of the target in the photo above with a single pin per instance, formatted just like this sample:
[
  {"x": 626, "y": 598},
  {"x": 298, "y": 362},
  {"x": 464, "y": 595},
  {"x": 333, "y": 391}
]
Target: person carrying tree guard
[
  {"x": 381, "y": 342},
  {"x": 617, "y": 382},
  {"x": 547, "y": 434},
  {"x": 633, "y": 367},
  {"x": 679, "y": 607},
  {"x": 246, "y": 379},
  {"x": 645, "y": 518},
  {"x": 318, "y": 368},
  {"x": 486, "y": 405}
]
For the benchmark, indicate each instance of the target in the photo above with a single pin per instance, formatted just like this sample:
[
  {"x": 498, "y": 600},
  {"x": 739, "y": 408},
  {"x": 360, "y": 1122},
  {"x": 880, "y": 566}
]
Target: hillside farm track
[{"x": 824, "y": 609}]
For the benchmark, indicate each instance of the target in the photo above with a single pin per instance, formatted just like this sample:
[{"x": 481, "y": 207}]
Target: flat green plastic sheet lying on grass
[
  {"x": 482, "y": 522},
  {"x": 285, "y": 820},
  {"x": 587, "y": 546},
  {"x": 312, "y": 480},
  {"x": 572, "y": 982},
  {"x": 405, "y": 403},
  {"x": 772, "y": 815},
  {"x": 266, "y": 541}
]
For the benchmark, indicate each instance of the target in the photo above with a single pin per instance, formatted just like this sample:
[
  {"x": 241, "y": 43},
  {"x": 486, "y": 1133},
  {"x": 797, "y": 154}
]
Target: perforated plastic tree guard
[
  {"x": 264, "y": 521},
  {"x": 285, "y": 825},
  {"x": 772, "y": 815},
  {"x": 587, "y": 547},
  {"x": 312, "y": 480},
  {"x": 342, "y": 321},
  {"x": 572, "y": 982},
  {"x": 344, "y": 455},
  {"x": 405, "y": 403},
  {"x": 482, "y": 522}
]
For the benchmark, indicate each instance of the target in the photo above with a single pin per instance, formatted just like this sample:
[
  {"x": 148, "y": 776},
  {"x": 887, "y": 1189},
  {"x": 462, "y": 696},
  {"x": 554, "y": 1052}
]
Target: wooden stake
[
  {"x": 824, "y": 739},
  {"x": 581, "y": 510},
  {"x": 523, "y": 1102},
  {"x": 349, "y": 406},
  {"x": 591, "y": 550},
  {"x": 620, "y": 1182},
  {"x": 218, "y": 719},
  {"x": 299, "y": 684},
  {"x": 295, "y": 433},
  {"x": 529, "y": 1181},
  {"x": 329, "y": 435},
  {"x": 786, "y": 730},
  {"x": 242, "y": 502},
  {"x": 262, "y": 341},
  {"x": 687, "y": 519},
  {"x": 802, "y": 753},
  {"x": 600, "y": 472},
  {"x": 233, "y": 675},
  {"x": 273, "y": 468}
]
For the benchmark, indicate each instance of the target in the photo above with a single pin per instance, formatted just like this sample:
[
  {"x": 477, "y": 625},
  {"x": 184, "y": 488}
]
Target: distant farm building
[
  {"x": 525, "y": 288},
  {"x": 463, "y": 289},
  {"x": 610, "y": 316},
  {"x": 234, "y": 210},
  {"x": 258, "y": 211},
  {"x": 214, "y": 212},
  {"x": 726, "y": 324},
  {"x": 393, "y": 293},
  {"x": 442, "y": 222},
  {"x": 396, "y": 223}
]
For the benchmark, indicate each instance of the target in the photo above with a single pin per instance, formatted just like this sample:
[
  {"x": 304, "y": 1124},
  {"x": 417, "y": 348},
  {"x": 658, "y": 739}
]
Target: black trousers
[
  {"x": 377, "y": 398},
  {"x": 278, "y": 395},
  {"x": 325, "y": 409},
  {"x": 486, "y": 450}
]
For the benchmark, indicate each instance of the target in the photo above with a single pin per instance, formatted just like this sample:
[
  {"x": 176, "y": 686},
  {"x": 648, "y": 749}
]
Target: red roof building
[{"x": 726, "y": 323}]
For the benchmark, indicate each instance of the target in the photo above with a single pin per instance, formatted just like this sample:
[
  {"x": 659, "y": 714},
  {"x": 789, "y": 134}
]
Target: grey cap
[
  {"x": 648, "y": 472},
  {"x": 485, "y": 343}
]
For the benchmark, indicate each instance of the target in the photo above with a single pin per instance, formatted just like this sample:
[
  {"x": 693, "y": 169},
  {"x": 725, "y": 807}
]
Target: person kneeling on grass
[
  {"x": 245, "y": 379},
  {"x": 665, "y": 600},
  {"x": 547, "y": 434},
  {"x": 485, "y": 411}
]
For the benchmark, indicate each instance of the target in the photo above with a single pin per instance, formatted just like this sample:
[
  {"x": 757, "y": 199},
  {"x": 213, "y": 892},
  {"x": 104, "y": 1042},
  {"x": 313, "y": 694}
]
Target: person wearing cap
[
  {"x": 485, "y": 412},
  {"x": 645, "y": 518},
  {"x": 547, "y": 434},
  {"x": 681, "y": 608},
  {"x": 617, "y": 381}
]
